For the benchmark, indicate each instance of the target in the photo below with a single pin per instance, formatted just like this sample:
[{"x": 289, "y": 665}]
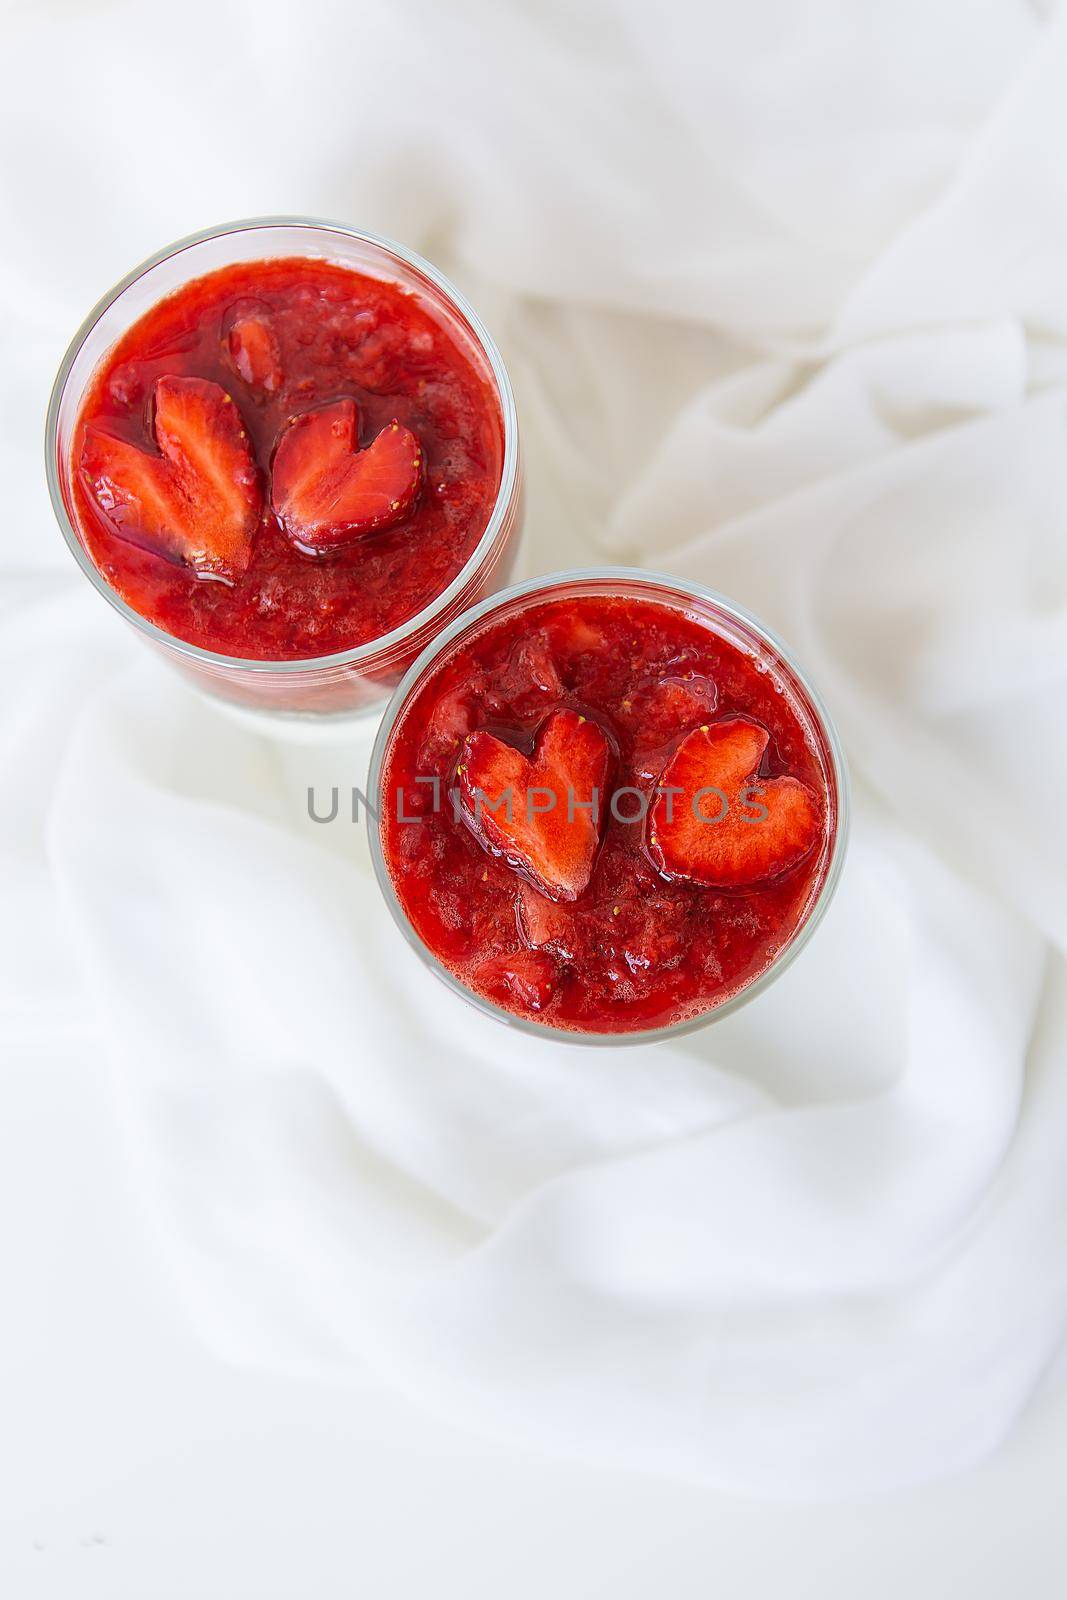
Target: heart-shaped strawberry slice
[
  {"x": 199, "y": 500},
  {"x": 724, "y": 827},
  {"x": 325, "y": 493},
  {"x": 542, "y": 813}
]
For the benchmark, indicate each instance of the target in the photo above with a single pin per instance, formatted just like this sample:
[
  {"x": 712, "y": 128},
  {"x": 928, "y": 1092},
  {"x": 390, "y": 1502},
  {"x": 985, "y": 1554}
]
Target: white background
[
  {"x": 134, "y": 1467},
  {"x": 783, "y": 289}
]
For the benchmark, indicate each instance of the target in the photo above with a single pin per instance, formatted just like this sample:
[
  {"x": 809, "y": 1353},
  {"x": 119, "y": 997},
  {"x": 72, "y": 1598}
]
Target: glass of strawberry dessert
[
  {"x": 608, "y": 806},
  {"x": 286, "y": 451}
]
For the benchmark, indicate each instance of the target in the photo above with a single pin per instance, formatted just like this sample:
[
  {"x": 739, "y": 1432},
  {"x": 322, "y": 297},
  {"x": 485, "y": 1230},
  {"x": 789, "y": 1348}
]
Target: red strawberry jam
[
  {"x": 604, "y": 813},
  {"x": 285, "y": 459}
]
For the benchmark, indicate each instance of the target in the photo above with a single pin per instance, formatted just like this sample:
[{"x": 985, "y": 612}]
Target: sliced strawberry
[
  {"x": 675, "y": 703},
  {"x": 451, "y": 721},
  {"x": 743, "y": 830},
  {"x": 199, "y": 500},
  {"x": 530, "y": 678},
  {"x": 136, "y": 493},
  {"x": 325, "y": 493},
  {"x": 535, "y": 812},
  {"x": 663, "y": 709},
  {"x": 253, "y": 349},
  {"x": 526, "y": 977},
  {"x": 455, "y": 715},
  {"x": 546, "y": 925}
]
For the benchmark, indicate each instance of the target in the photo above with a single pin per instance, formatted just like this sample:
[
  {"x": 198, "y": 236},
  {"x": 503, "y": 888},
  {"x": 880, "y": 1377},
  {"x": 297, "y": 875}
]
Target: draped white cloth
[{"x": 783, "y": 290}]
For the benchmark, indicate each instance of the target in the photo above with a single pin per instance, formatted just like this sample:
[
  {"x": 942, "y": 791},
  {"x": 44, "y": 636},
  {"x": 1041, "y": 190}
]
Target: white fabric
[{"x": 783, "y": 290}]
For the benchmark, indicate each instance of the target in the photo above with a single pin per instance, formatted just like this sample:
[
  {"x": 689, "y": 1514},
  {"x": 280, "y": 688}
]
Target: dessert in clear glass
[
  {"x": 287, "y": 452},
  {"x": 608, "y": 806}
]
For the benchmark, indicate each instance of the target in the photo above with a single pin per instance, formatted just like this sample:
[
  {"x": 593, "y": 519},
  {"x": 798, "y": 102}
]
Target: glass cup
[
  {"x": 349, "y": 682},
  {"x": 693, "y": 601}
]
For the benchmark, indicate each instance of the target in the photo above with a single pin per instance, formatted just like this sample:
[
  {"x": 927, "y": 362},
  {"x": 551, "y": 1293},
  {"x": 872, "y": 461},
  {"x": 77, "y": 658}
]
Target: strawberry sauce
[
  {"x": 577, "y": 687},
  {"x": 360, "y": 545}
]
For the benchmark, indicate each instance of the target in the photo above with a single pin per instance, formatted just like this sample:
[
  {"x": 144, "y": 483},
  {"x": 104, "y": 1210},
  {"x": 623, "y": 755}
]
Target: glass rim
[
  {"x": 685, "y": 589},
  {"x": 357, "y": 655}
]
